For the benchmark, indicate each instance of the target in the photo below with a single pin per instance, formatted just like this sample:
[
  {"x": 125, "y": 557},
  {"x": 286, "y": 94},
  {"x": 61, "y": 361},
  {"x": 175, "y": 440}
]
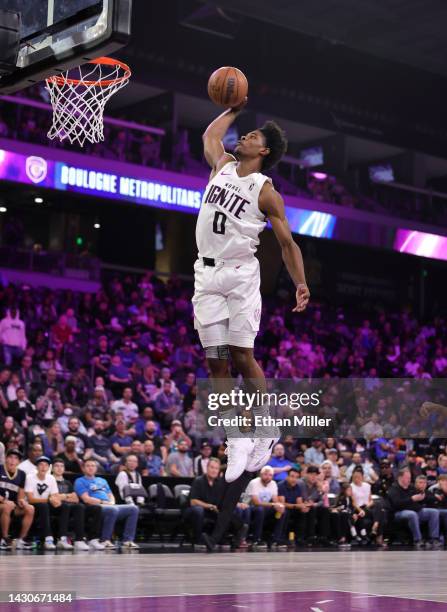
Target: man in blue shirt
[
  {"x": 314, "y": 455},
  {"x": 279, "y": 463},
  {"x": 93, "y": 490}
]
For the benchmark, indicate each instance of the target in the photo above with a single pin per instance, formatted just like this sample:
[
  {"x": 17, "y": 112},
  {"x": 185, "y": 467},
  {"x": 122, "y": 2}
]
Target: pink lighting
[
  {"x": 320, "y": 176},
  {"x": 421, "y": 244}
]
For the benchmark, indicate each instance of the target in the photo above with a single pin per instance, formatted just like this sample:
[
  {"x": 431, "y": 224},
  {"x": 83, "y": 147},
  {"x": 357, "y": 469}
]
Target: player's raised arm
[
  {"x": 272, "y": 205},
  {"x": 212, "y": 138}
]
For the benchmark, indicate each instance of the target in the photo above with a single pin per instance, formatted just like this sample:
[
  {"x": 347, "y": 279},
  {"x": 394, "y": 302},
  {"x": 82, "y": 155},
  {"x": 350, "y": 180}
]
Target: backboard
[{"x": 57, "y": 35}]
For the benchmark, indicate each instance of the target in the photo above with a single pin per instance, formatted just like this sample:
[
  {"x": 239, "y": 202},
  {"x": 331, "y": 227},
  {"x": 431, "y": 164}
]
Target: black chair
[{"x": 167, "y": 512}]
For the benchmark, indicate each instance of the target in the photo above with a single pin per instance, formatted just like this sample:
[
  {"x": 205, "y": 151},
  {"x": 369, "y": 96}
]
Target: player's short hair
[{"x": 276, "y": 141}]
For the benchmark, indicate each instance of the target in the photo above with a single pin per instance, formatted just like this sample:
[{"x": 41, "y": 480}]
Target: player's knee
[
  {"x": 240, "y": 356},
  {"x": 219, "y": 367},
  {"x": 8, "y": 506},
  {"x": 29, "y": 510}
]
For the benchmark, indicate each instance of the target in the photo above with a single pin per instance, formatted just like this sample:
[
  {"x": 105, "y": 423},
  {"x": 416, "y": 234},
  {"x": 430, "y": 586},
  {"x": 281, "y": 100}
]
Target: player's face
[{"x": 251, "y": 144}]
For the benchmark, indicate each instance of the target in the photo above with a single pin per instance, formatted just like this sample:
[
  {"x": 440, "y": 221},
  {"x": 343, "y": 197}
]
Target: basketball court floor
[{"x": 362, "y": 581}]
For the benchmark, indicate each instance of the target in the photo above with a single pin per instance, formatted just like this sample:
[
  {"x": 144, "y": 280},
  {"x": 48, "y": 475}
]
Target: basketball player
[{"x": 237, "y": 202}]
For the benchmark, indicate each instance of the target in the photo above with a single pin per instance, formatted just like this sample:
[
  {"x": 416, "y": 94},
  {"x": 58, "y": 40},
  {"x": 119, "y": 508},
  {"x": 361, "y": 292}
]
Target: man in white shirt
[
  {"x": 125, "y": 405},
  {"x": 42, "y": 492},
  {"x": 263, "y": 493}
]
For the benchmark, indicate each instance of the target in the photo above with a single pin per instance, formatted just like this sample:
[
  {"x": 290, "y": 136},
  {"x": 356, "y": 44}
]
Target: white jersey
[{"x": 230, "y": 221}]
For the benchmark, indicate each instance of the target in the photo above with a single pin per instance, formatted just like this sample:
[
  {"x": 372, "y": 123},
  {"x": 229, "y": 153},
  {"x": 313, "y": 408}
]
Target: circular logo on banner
[{"x": 36, "y": 169}]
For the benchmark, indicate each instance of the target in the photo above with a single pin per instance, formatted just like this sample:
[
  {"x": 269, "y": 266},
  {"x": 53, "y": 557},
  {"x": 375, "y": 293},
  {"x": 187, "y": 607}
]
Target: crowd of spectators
[{"x": 110, "y": 380}]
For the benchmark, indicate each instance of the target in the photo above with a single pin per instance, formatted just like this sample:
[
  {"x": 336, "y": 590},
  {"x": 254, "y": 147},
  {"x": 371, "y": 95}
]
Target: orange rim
[{"x": 106, "y": 61}]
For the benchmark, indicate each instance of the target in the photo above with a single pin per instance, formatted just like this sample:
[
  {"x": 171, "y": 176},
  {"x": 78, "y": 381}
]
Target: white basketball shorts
[{"x": 227, "y": 303}]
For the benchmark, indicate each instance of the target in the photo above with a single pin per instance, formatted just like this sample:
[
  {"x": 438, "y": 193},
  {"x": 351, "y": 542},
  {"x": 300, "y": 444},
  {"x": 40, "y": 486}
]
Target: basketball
[{"x": 227, "y": 86}]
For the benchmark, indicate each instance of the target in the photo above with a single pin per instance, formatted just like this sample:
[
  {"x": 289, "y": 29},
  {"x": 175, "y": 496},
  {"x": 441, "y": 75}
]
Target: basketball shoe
[
  {"x": 238, "y": 451},
  {"x": 261, "y": 453}
]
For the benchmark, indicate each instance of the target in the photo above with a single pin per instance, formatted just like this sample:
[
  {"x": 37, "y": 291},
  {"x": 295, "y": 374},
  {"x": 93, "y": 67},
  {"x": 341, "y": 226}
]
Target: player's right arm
[{"x": 213, "y": 148}]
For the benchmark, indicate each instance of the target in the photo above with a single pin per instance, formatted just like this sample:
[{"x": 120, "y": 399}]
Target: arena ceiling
[{"x": 412, "y": 32}]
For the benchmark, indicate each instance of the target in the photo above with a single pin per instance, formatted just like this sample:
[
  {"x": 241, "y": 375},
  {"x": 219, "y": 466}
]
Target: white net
[{"x": 79, "y": 96}]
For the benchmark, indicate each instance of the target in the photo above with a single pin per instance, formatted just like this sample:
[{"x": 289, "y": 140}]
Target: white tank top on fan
[{"x": 230, "y": 221}]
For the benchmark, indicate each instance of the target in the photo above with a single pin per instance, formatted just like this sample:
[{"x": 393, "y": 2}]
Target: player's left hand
[{"x": 302, "y": 297}]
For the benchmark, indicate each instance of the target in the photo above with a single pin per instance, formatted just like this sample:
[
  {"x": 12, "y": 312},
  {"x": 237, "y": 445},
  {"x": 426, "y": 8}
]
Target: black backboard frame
[{"x": 116, "y": 35}]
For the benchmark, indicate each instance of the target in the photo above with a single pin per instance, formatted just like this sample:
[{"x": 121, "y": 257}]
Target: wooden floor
[{"x": 413, "y": 574}]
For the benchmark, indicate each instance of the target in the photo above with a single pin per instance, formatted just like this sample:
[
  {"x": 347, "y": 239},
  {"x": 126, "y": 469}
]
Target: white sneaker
[
  {"x": 23, "y": 545},
  {"x": 49, "y": 544},
  {"x": 81, "y": 545},
  {"x": 108, "y": 544},
  {"x": 96, "y": 545},
  {"x": 237, "y": 451},
  {"x": 260, "y": 454},
  {"x": 130, "y": 544},
  {"x": 64, "y": 544}
]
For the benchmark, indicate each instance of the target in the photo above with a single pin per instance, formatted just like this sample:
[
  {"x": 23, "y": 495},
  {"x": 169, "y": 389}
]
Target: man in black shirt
[
  {"x": 205, "y": 498},
  {"x": 13, "y": 500},
  {"x": 407, "y": 503},
  {"x": 386, "y": 479},
  {"x": 21, "y": 409},
  {"x": 430, "y": 469}
]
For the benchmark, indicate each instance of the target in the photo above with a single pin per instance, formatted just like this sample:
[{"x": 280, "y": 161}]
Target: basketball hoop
[{"x": 78, "y": 98}]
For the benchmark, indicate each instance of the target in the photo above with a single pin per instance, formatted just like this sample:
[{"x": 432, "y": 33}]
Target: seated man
[
  {"x": 407, "y": 503},
  {"x": 279, "y": 463},
  {"x": 205, "y": 499},
  {"x": 95, "y": 491},
  {"x": 288, "y": 494},
  {"x": 71, "y": 507},
  {"x": 13, "y": 501},
  {"x": 266, "y": 506},
  {"x": 313, "y": 514},
  {"x": 41, "y": 490},
  {"x": 439, "y": 501}
]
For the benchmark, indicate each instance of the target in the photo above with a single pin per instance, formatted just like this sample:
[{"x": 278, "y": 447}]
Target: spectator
[
  {"x": 314, "y": 455},
  {"x": 126, "y": 407},
  {"x": 72, "y": 461},
  {"x": 29, "y": 466},
  {"x": 12, "y": 336},
  {"x": 201, "y": 461},
  {"x": 179, "y": 463},
  {"x": 167, "y": 403},
  {"x": 439, "y": 501},
  {"x": 94, "y": 490},
  {"x": 367, "y": 467},
  {"x": 130, "y": 476},
  {"x": 279, "y": 463},
  {"x": 313, "y": 513},
  {"x": 266, "y": 506},
  {"x": 83, "y": 446},
  {"x": 42, "y": 492},
  {"x": 205, "y": 497},
  {"x": 21, "y": 409},
  {"x": 154, "y": 463},
  {"x": 326, "y": 473},
  {"x": 407, "y": 505},
  {"x": 121, "y": 441},
  {"x": 102, "y": 446},
  {"x": 13, "y": 502},
  {"x": 71, "y": 507}
]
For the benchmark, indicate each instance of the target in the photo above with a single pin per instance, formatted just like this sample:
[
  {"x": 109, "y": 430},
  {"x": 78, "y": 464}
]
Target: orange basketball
[{"x": 227, "y": 86}]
